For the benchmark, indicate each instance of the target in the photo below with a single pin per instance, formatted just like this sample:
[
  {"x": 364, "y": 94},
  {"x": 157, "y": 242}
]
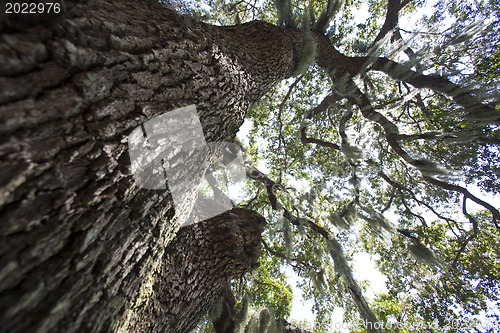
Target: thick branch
[
  {"x": 391, "y": 25},
  {"x": 198, "y": 264},
  {"x": 391, "y": 19},
  {"x": 475, "y": 109},
  {"x": 305, "y": 140},
  {"x": 467, "y": 195},
  {"x": 391, "y": 135},
  {"x": 339, "y": 66}
]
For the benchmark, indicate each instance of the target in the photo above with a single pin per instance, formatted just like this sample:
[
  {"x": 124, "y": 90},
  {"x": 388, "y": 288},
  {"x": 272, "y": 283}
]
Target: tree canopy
[{"x": 382, "y": 151}]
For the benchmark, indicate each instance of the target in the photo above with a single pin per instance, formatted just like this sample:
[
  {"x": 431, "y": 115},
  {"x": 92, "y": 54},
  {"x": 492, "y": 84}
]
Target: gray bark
[
  {"x": 203, "y": 255},
  {"x": 78, "y": 239}
]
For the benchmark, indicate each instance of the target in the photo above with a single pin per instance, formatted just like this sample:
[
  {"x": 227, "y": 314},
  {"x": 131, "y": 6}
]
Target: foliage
[
  {"x": 419, "y": 294},
  {"x": 266, "y": 287},
  {"x": 339, "y": 167}
]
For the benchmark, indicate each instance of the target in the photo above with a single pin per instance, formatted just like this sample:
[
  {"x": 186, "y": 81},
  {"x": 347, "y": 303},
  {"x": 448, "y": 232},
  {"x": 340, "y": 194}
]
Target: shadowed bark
[{"x": 199, "y": 263}]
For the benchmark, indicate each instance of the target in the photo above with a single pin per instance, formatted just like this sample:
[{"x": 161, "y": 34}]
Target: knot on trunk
[{"x": 235, "y": 238}]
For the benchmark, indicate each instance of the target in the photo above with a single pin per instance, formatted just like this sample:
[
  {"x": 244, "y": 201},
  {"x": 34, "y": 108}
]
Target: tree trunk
[
  {"x": 80, "y": 242},
  {"x": 198, "y": 264}
]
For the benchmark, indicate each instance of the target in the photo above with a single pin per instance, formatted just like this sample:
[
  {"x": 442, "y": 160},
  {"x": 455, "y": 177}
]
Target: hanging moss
[
  {"x": 351, "y": 152},
  {"x": 378, "y": 224},
  {"x": 338, "y": 221},
  {"x": 258, "y": 320},
  {"x": 423, "y": 254},
  {"x": 308, "y": 46},
  {"x": 285, "y": 14},
  {"x": 216, "y": 310},
  {"x": 243, "y": 316},
  {"x": 287, "y": 235},
  {"x": 265, "y": 320},
  {"x": 428, "y": 167}
]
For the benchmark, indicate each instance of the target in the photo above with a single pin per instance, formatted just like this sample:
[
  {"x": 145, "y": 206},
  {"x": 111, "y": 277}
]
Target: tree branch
[
  {"x": 404, "y": 188},
  {"x": 250, "y": 202},
  {"x": 391, "y": 19},
  {"x": 334, "y": 246},
  {"x": 320, "y": 108},
  {"x": 282, "y": 105},
  {"x": 281, "y": 140},
  {"x": 475, "y": 109},
  {"x": 277, "y": 254},
  {"x": 391, "y": 134},
  {"x": 391, "y": 24},
  {"x": 422, "y": 220},
  {"x": 495, "y": 214},
  {"x": 389, "y": 203}
]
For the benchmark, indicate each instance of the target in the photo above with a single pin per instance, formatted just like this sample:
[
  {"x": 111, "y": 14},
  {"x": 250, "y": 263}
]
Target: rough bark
[
  {"x": 78, "y": 238},
  {"x": 203, "y": 254}
]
